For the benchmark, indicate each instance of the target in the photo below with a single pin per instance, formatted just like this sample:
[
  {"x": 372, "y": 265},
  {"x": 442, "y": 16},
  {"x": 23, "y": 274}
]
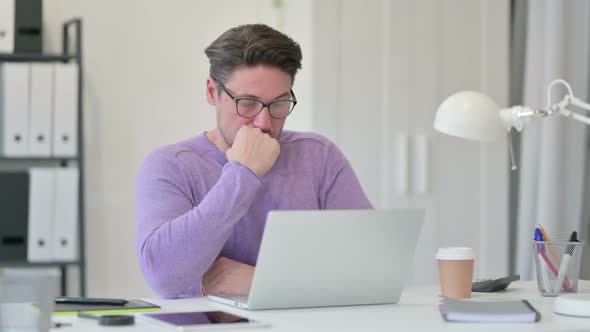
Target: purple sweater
[{"x": 194, "y": 206}]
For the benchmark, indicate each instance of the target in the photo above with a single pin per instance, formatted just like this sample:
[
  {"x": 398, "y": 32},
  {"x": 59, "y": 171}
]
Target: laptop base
[{"x": 240, "y": 301}]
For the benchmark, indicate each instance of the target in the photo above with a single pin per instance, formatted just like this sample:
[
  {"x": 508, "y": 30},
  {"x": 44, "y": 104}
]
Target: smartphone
[{"x": 198, "y": 321}]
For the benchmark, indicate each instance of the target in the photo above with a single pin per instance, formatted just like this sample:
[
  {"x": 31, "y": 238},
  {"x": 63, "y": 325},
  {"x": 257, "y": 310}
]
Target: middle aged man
[{"x": 202, "y": 202}]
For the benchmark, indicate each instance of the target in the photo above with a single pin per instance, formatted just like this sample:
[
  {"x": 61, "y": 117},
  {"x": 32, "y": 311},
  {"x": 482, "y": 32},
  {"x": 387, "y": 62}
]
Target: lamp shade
[{"x": 471, "y": 115}]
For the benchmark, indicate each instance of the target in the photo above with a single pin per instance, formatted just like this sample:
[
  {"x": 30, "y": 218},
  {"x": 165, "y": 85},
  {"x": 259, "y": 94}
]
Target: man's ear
[{"x": 212, "y": 96}]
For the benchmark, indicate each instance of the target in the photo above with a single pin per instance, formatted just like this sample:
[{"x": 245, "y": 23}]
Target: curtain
[{"x": 553, "y": 151}]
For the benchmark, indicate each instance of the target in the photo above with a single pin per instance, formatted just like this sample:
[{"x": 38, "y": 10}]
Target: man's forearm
[{"x": 175, "y": 253}]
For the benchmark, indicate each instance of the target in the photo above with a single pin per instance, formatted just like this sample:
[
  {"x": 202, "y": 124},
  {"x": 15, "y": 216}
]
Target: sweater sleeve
[
  {"x": 340, "y": 188},
  {"x": 178, "y": 239}
]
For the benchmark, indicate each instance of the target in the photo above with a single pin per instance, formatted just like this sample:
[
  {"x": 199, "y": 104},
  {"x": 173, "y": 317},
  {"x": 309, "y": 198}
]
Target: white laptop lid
[{"x": 334, "y": 257}]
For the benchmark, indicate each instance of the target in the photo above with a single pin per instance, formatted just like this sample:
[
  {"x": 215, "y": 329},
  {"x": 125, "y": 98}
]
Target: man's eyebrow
[{"x": 286, "y": 94}]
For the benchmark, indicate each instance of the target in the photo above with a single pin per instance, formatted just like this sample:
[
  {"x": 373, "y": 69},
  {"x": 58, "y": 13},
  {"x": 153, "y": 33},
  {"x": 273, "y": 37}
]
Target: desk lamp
[{"x": 473, "y": 115}]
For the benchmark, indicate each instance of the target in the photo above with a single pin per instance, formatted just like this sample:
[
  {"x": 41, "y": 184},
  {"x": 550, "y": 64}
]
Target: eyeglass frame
[{"x": 237, "y": 100}]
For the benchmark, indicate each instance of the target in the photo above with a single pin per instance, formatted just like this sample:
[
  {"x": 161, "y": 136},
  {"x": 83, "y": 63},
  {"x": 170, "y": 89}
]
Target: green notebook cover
[{"x": 130, "y": 307}]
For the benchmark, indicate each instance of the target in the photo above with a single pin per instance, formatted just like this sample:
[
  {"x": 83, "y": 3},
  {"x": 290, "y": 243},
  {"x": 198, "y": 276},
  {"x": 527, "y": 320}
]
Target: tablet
[{"x": 197, "y": 321}]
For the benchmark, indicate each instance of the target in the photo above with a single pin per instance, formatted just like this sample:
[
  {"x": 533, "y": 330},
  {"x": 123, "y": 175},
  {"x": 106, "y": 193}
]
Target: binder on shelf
[
  {"x": 14, "y": 204},
  {"x": 65, "y": 230},
  {"x": 65, "y": 110},
  {"x": 14, "y": 109},
  {"x": 41, "y": 214},
  {"x": 21, "y": 26},
  {"x": 7, "y": 13},
  {"x": 41, "y": 102},
  {"x": 28, "y": 26}
]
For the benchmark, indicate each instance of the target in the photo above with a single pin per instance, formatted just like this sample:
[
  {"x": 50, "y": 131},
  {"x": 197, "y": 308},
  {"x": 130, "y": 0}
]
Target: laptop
[{"x": 319, "y": 258}]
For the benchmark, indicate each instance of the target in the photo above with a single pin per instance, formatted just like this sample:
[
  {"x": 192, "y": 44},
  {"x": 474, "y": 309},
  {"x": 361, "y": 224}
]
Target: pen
[
  {"x": 569, "y": 252},
  {"x": 541, "y": 250},
  {"x": 544, "y": 269},
  {"x": 563, "y": 268},
  {"x": 545, "y": 257},
  {"x": 83, "y": 315},
  {"x": 546, "y": 238},
  {"x": 556, "y": 259},
  {"x": 545, "y": 275},
  {"x": 574, "y": 237}
]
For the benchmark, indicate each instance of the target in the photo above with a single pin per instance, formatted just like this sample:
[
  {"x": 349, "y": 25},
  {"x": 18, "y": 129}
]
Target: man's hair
[{"x": 251, "y": 45}]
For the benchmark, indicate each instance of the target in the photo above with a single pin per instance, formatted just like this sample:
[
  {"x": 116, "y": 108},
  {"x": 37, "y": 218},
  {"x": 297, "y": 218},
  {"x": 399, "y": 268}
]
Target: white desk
[{"x": 416, "y": 311}]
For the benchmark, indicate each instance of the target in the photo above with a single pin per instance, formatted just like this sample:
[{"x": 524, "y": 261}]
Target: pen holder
[{"x": 558, "y": 266}]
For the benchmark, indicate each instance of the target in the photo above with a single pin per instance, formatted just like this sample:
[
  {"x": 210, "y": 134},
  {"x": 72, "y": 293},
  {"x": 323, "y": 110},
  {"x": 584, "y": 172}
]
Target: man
[{"x": 202, "y": 203}]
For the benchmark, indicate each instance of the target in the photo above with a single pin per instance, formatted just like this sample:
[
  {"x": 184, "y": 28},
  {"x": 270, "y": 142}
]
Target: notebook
[
  {"x": 129, "y": 307},
  {"x": 488, "y": 312}
]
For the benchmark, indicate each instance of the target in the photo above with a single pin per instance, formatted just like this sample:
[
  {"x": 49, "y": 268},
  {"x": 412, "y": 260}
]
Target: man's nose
[{"x": 263, "y": 120}]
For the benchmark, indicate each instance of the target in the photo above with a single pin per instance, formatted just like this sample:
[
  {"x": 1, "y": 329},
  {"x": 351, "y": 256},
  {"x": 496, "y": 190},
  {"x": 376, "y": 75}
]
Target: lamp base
[{"x": 573, "y": 305}]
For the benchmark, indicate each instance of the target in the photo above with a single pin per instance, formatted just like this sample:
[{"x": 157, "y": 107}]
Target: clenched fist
[{"x": 254, "y": 149}]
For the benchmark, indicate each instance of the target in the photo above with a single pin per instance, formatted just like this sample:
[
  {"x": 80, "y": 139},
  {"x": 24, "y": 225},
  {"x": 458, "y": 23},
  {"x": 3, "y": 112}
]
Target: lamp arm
[
  {"x": 569, "y": 99},
  {"x": 577, "y": 102},
  {"x": 516, "y": 117},
  {"x": 567, "y": 86},
  {"x": 575, "y": 116}
]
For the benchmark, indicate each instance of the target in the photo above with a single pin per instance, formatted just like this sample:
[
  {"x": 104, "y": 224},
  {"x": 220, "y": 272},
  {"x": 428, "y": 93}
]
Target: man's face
[{"x": 264, "y": 83}]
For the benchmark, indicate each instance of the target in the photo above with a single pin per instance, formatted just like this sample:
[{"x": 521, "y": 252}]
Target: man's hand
[
  {"x": 227, "y": 276},
  {"x": 254, "y": 149}
]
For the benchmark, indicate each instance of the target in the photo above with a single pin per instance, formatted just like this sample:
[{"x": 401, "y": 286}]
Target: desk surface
[{"x": 416, "y": 311}]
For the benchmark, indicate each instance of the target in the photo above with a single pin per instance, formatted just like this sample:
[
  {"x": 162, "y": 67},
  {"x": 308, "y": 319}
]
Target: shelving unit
[{"x": 70, "y": 53}]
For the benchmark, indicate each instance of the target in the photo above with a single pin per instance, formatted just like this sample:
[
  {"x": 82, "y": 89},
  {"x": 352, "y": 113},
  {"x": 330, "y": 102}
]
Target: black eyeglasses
[{"x": 250, "y": 107}]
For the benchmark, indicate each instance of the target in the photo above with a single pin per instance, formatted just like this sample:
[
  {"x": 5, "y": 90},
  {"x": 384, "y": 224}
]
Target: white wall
[
  {"x": 145, "y": 73},
  {"x": 383, "y": 67}
]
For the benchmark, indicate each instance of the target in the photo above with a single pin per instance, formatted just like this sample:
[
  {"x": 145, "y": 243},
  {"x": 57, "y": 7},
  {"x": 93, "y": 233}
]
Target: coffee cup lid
[{"x": 455, "y": 253}]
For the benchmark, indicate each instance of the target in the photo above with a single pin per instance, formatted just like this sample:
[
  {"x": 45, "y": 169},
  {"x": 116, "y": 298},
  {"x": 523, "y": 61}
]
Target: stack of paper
[{"x": 488, "y": 312}]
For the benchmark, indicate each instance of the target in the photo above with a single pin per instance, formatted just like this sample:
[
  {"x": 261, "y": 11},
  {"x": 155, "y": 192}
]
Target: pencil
[{"x": 553, "y": 253}]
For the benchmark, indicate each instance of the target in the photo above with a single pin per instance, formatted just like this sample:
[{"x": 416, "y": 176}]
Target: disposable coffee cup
[{"x": 455, "y": 269}]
